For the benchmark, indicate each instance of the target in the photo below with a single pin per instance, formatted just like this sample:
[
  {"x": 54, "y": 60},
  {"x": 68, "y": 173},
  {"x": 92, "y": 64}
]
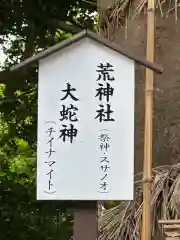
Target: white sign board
[{"x": 85, "y": 124}]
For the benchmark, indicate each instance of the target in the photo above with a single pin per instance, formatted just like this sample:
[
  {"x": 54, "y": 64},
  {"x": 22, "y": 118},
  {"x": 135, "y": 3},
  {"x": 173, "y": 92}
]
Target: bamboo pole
[{"x": 147, "y": 168}]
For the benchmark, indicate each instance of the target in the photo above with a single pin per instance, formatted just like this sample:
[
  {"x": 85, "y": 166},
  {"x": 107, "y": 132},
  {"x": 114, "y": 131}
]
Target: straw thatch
[
  {"x": 123, "y": 222},
  {"x": 121, "y": 10}
]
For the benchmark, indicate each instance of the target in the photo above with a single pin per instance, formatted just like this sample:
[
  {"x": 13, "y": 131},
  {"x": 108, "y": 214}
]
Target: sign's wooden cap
[{"x": 88, "y": 34}]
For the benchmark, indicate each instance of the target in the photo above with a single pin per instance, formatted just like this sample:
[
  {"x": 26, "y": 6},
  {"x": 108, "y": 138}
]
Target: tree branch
[
  {"x": 66, "y": 27},
  {"x": 89, "y": 2},
  {"x": 7, "y": 75}
]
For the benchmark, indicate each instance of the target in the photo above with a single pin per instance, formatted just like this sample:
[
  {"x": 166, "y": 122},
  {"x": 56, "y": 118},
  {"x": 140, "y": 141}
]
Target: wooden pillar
[
  {"x": 86, "y": 212},
  {"x": 85, "y": 220},
  {"x": 171, "y": 229}
]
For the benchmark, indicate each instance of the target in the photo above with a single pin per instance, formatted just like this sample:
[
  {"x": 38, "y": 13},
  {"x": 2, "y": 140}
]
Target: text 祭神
[{"x": 104, "y": 113}]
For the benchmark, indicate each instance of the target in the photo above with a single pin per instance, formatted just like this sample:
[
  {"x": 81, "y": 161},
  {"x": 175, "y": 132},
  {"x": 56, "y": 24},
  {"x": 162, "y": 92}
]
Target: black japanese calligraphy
[
  {"x": 68, "y": 113},
  {"x": 104, "y": 137},
  {"x": 50, "y": 141},
  {"x": 50, "y": 163},
  {"x": 50, "y": 184},
  {"x": 104, "y": 177},
  {"x": 104, "y": 159},
  {"x": 50, "y": 131},
  {"x": 104, "y": 113},
  {"x": 104, "y": 91},
  {"x": 50, "y": 173},
  {"x": 105, "y": 71},
  {"x": 104, "y": 163},
  {"x": 68, "y": 133},
  {"x": 104, "y": 146},
  {"x": 68, "y": 92},
  {"x": 49, "y": 152},
  {"x": 104, "y": 187}
]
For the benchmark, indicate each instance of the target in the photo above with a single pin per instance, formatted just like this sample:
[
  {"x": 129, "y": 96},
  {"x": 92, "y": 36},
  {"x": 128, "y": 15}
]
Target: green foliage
[{"x": 27, "y": 27}]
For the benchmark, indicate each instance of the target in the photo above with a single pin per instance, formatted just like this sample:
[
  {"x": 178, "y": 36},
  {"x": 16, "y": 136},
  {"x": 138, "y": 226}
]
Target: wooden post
[
  {"x": 86, "y": 217},
  {"x": 147, "y": 169},
  {"x": 86, "y": 221}
]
